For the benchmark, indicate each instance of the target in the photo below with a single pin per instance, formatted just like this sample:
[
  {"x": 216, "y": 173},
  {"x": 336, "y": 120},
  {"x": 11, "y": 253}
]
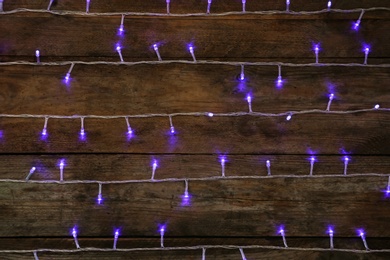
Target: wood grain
[{"x": 213, "y": 37}]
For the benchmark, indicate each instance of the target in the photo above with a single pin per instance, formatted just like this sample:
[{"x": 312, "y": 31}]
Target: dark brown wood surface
[{"x": 230, "y": 211}]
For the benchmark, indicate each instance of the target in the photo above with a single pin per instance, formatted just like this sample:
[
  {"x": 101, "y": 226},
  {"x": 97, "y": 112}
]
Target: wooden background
[{"x": 222, "y": 212}]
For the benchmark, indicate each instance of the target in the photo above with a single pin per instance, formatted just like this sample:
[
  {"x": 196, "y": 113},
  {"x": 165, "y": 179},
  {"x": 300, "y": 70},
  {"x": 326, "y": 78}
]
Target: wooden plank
[
  {"x": 213, "y": 37},
  {"x": 217, "y": 208},
  {"x": 121, "y": 167},
  {"x": 363, "y": 133},
  {"x": 182, "y": 6},
  {"x": 141, "y": 89}
]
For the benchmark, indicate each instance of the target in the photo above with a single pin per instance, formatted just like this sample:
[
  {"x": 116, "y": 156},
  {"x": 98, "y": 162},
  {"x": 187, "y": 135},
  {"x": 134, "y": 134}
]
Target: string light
[
  {"x": 74, "y": 234},
  {"x": 82, "y": 131},
  {"x": 49, "y": 6},
  {"x": 223, "y": 161},
  {"x": 287, "y": 5},
  {"x": 155, "y": 47},
  {"x": 154, "y": 167},
  {"x": 346, "y": 160},
  {"x": 191, "y": 49},
  {"x": 312, "y": 160},
  {"x": 363, "y": 237},
  {"x": 168, "y": 1},
  {"x": 242, "y": 74},
  {"x": 162, "y": 231},
  {"x": 279, "y": 82},
  {"x": 268, "y": 165},
  {"x": 330, "y": 231},
  {"x": 116, "y": 235},
  {"x": 243, "y": 5},
  {"x": 119, "y": 51},
  {"x": 316, "y": 51},
  {"x": 62, "y": 165},
  {"x": 32, "y": 170},
  {"x": 289, "y": 116},
  {"x": 329, "y": 5},
  {"x": 377, "y": 106},
  {"x": 366, "y": 52},
  {"x": 100, "y": 197},
  {"x": 331, "y": 96},
  {"x": 388, "y": 188},
  {"x": 209, "y": 114},
  {"x": 129, "y": 129},
  {"x": 121, "y": 28},
  {"x": 242, "y": 253},
  {"x": 203, "y": 253},
  {"x": 37, "y": 55},
  {"x": 172, "y": 128},
  {"x": 249, "y": 100},
  {"x": 67, "y": 77},
  {"x": 87, "y": 7},
  {"x": 281, "y": 231},
  {"x": 357, "y": 23},
  {"x": 1, "y": 6},
  {"x": 208, "y": 6},
  {"x": 44, "y": 130},
  {"x": 186, "y": 197}
]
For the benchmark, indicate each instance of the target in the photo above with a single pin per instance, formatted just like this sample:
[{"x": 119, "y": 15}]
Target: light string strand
[
  {"x": 270, "y": 12},
  {"x": 67, "y": 77},
  {"x": 242, "y": 253},
  {"x": 211, "y": 178},
  {"x": 35, "y": 255},
  {"x": 203, "y": 253},
  {"x": 201, "y": 62}
]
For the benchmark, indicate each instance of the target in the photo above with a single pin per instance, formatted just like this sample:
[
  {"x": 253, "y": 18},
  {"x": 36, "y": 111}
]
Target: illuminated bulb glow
[
  {"x": 67, "y": 77},
  {"x": 82, "y": 131},
  {"x": 208, "y": 6},
  {"x": 37, "y": 55},
  {"x": 281, "y": 231},
  {"x": 209, "y": 114},
  {"x": 377, "y": 106},
  {"x": 249, "y": 100},
  {"x": 129, "y": 129},
  {"x": 243, "y": 5},
  {"x": 62, "y": 165},
  {"x": 223, "y": 161},
  {"x": 119, "y": 51},
  {"x": 121, "y": 28},
  {"x": 100, "y": 198},
  {"x": 49, "y": 6},
  {"x": 363, "y": 237},
  {"x": 116, "y": 235},
  {"x": 316, "y": 51},
  {"x": 287, "y": 5},
  {"x": 346, "y": 160},
  {"x": 331, "y": 96},
  {"x": 366, "y": 52},
  {"x": 168, "y": 1},
  {"x": 191, "y": 49},
  {"x": 279, "y": 81},
  {"x": 87, "y": 7},
  {"x": 32, "y": 170},
  {"x": 162, "y": 231},
  {"x": 186, "y": 197},
  {"x": 171, "y": 126},
  {"x": 330, "y": 231},
  {"x": 329, "y": 4},
  {"x": 44, "y": 130},
  {"x": 155, "y": 47},
  {"x": 74, "y": 234},
  {"x": 154, "y": 167},
  {"x": 312, "y": 160},
  {"x": 388, "y": 188},
  {"x": 268, "y": 165},
  {"x": 242, "y": 74},
  {"x": 357, "y": 23},
  {"x": 242, "y": 254},
  {"x": 288, "y": 118}
]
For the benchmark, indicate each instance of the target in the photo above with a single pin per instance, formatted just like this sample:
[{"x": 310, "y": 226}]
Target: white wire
[
  {"x": 202, "y": 247},
  {"x": 212, "y": 178}
]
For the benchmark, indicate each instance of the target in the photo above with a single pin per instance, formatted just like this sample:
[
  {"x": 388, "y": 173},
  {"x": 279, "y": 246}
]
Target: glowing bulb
[
  {"x": 67, "y": 77},
  {"x": 162, "y": 231},
  {"x": 129, "y": 130},
  {"x": 191, "y": 49},
  {"x": 116, "y": 235},
  {"x": 155, "y": 47},
  {"x": 74, "y": 234},
  {"x": 242, "y": 74},
  {"x": 223, "y": 161},
  {"x": 87, "y": 7},
  {"x": 119, "y": 51},
  {"x": 356, "y": 25},
  {"x": 32, "y": 170},
  {"x": 363, "y": 237},
  {"x": 121, "y": 29},
  {"x": 154, "y": 167},
  {"x": 268, "y": 165},
  {"x": 100, "y": 199},
  {"x": 281, "y": 231},
  {"x": 62, "y": 165},
  {"x": 249, "y": 100},
  {"x": 287, "y": 5},
  {"x": 243, "y": 5},
  {"x": 44, "y": 132},
  {"x": 37, "y": 55},
  {"x": 316, "y": 51},
  {"x": 208, "y": 6},
  {"x": 366, "y": 50},
  {"x": 82, "y": 132},
  {"x": 312, "y": 160},
  {"x": 330, "y": 231},
  {"x": 377, "y": 106},
  {"x": 329, "y": 4},
  {"x": 331, "y": 96},
  {"x": 210, "y": 114},
  {"x": 288, "y": 118},
  {"x": 346, "y": 160},
  {"x": 172, "y": 130}
]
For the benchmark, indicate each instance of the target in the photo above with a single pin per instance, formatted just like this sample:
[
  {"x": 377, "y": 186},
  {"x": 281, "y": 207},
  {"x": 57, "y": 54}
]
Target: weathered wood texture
[
  {"x": 229, "y": 211},
  {"x": 237, "y": 37}
]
